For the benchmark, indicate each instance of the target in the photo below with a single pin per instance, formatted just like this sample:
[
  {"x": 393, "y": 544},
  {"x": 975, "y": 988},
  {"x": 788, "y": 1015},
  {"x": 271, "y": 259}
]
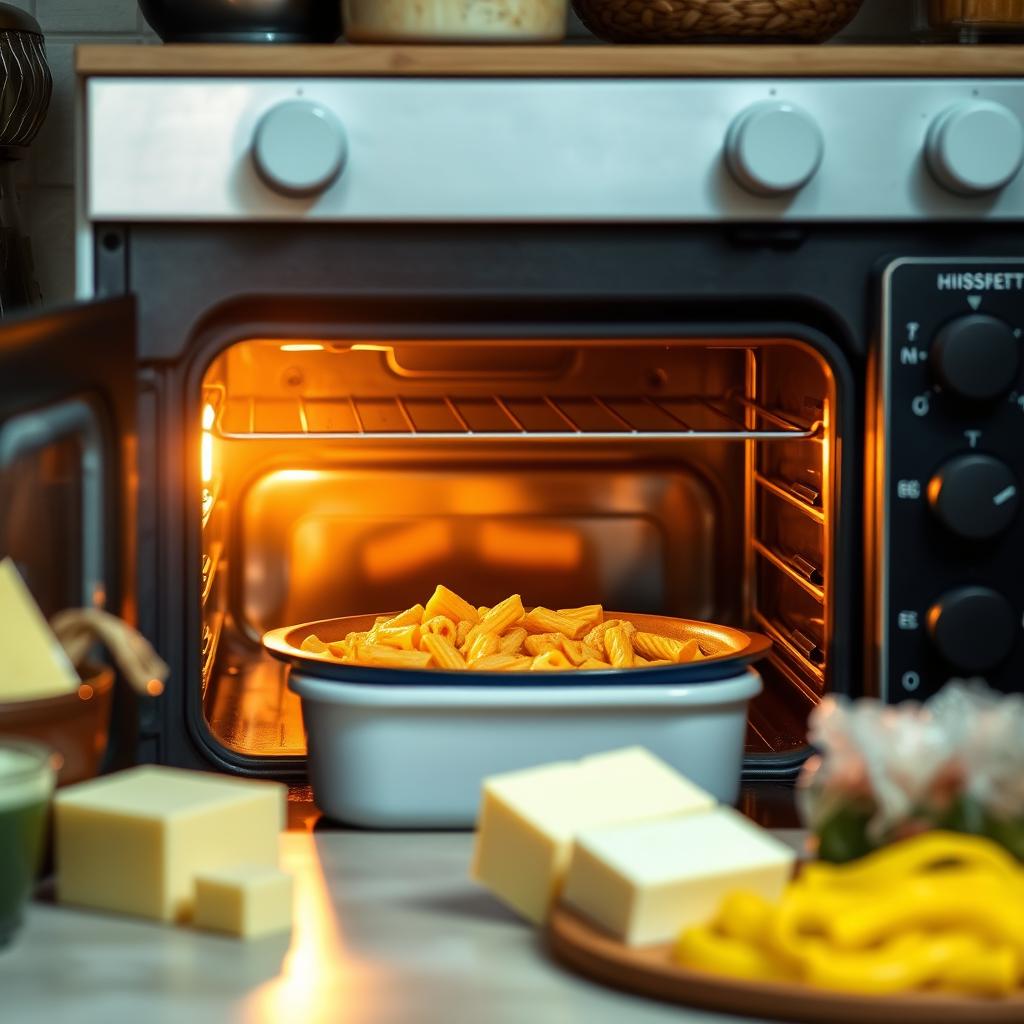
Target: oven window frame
[{"x": 559, "y": 321}]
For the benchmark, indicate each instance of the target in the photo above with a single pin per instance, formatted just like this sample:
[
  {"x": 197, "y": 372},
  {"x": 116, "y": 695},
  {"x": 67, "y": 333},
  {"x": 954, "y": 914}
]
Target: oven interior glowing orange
[{"x": 696, "y": 478}]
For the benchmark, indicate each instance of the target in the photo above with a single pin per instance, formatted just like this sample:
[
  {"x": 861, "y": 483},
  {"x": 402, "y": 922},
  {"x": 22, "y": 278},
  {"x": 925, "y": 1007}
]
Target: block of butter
[
  {"x": 246, "y": 900},
  {"x": 134, "y": 842},
  {"x": 528, "y": 818},
  {"x": 646, "y": 882},
  {"x": 33, "y": 664}
]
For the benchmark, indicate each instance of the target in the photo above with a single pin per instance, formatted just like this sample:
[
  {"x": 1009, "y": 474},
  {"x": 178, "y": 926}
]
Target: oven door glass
[{"x": 66, "y": 434}]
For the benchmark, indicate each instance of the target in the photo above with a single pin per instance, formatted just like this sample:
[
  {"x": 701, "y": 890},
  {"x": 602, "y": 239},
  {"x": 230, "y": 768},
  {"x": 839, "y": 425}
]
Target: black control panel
[{"x": 952, "y": 540}]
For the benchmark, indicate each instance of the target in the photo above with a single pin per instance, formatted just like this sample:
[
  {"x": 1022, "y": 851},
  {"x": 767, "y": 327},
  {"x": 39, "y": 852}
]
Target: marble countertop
[{"x": 388, "y": 928}]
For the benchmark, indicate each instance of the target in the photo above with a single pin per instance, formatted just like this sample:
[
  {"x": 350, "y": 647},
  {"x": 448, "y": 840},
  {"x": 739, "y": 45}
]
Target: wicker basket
[{"x": 678, "y": 21}]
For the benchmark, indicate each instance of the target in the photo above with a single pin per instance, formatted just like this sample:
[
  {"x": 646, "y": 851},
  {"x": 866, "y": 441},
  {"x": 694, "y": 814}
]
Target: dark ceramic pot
[{"x": 244, "y": 21}]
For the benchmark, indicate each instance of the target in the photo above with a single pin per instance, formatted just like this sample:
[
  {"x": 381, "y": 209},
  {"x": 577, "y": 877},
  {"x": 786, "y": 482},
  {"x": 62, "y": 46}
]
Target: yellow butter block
[
  {"x": 247, "y": 900},
  {"x": 135, "y": 841},
  {"x": 528, "y": 818},
  {"x": 33, "y": 665},
  {"x": 645, "y": 882}
]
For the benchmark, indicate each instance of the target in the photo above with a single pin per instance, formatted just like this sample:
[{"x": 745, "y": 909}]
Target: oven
[{"x": 534, "y": 335}]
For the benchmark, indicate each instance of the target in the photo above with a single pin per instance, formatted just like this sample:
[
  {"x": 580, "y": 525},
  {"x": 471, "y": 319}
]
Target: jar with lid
[
  {"x": 970, "y": 21},
  {"x": 455, "y": 21}
]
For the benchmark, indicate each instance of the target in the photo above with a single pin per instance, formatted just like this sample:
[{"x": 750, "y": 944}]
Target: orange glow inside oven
[{"x": 690, "y": 478}]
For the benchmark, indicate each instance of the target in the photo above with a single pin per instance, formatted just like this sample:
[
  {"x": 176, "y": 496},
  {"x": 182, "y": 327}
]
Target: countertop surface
[
  {"x": 388, "y": 928},
  {"x": 553, "y": 61}
]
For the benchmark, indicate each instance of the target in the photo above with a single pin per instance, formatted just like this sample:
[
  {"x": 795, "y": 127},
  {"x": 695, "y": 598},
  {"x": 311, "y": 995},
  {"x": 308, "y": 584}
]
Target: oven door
[{"x": 66, "y": 454}]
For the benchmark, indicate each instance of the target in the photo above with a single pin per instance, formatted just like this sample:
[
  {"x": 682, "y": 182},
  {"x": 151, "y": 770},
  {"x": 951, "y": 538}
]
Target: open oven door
[{"x": 67, "y": 436}]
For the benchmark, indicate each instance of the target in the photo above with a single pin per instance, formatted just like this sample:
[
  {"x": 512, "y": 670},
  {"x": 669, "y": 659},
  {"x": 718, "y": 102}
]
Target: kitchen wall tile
[
  {"x": 53, "y": 242},
  {"x": 87, "y": 15},
  {"x": 53, "y": 150}
]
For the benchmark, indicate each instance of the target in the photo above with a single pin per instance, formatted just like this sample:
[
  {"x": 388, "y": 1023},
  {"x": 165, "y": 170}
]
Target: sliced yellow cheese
[
  {"x": 646, "y": 882},
  {"x": 528, "y": 818},
  {"x": 247, "y": 900},
  {"x": 33, "y": 664},
  {"x": 135, "y": 841}
]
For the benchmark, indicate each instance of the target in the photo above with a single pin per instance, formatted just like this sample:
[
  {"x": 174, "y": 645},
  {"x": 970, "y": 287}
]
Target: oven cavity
[{"x": 687, "y": 477}]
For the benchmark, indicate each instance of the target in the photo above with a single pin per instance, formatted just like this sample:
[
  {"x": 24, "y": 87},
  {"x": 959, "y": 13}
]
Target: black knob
[
  {"x": 973, "y": 628},
  {"x": 976, "y": 357},
  {"x": 974, "y": 496}
]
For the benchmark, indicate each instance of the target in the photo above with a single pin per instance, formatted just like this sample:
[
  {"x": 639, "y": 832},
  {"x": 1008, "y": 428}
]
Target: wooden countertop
[{"x": 554, "y": 61}]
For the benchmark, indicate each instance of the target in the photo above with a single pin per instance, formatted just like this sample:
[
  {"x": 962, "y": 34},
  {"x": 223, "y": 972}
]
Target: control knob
[
  {"x": 299, "y": 148},
  {"x": 773, "y": 148},
  {"x": 974, "y": 496},
  {"x": 974, "y": 147},
  {"x": 973, "y": 628},
  {"x": 976, "y": 357}
]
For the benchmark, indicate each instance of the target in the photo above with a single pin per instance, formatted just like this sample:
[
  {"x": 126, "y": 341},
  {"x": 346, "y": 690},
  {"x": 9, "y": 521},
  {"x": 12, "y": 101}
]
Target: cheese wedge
[
  {"x": 135, "y": 841},
  {"x": 247, "y": 901},
  {"x": 528, "y": 818},
  {"x": 644, "y": 883},
  {"x": 33, "y": 664}
]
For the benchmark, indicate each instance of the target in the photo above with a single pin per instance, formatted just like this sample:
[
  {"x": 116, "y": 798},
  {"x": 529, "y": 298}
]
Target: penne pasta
[
  {"x": 448, "y": 633},
  {"x": 481, "y": 646},
  {"x": 446, "y": 602},
  {"x": 402, "y": 638},
  {"x": 591, "y": 614},
  {"x": 410, "y": 617},
  {"x": 340, "y": 649},
  {"x": 462, "y": 630},
  {"x": 665, "y": 648},
  {"x": 618, "y": 647},
  {"x": 541, "y": 642},
  {"x": 441, "y": 625},
  {"x": 441, "y": 651},
  {"x": 595, "y": 638},
  {"x": 502, "y": 663},
  {"x": 387, "y": 657},
  {"x": 551, "y": 661},
  {"x": 544, "y": 620},
  {"x": 512, "y": 641}
]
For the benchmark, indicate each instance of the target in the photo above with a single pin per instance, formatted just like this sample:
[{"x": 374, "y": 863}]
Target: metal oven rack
[{"x": 497, "y": 417}]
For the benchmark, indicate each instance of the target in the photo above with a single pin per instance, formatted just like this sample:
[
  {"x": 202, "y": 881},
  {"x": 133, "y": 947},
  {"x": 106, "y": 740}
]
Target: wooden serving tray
[{"x": 650, "y": 971}]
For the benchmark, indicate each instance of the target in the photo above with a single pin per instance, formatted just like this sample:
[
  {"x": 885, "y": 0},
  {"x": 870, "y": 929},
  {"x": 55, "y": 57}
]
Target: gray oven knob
[
  {"x": 974, "y": 496},
  {"x": 299, "y": 148},
  {"x": 975, "y": 146},
  {"x": 973, "y": 628},
  {"x": 773, "y": 148}
]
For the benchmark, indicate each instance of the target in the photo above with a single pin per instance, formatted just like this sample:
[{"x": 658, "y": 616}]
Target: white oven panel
[{"x": 553, "y": 150}]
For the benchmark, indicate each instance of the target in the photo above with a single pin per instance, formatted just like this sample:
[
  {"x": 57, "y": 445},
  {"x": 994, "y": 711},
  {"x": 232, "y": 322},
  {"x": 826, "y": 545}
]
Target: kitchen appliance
[
  {"x": 244, "y": 21},
  {"x": 25, "y": 87},
  {"x": 732, "y": 346}
]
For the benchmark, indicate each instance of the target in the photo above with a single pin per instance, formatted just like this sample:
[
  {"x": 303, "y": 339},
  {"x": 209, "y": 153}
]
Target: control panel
[{"x": 950, "y": 544}]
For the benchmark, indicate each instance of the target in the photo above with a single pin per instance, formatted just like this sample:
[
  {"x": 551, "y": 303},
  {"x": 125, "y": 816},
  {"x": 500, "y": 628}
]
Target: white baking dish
[{"x": 414, "y": 756}]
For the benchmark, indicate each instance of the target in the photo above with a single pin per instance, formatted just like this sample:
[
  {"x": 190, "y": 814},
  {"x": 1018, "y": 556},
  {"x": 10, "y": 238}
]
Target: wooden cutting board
[{"x": 650, "y": 971}]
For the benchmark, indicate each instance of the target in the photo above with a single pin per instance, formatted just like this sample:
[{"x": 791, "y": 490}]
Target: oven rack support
[{"x": 504, "y": 418}]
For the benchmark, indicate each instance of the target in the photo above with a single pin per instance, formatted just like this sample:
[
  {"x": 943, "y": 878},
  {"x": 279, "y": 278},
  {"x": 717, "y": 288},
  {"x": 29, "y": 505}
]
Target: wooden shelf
[{"x": 554, "y": 61}]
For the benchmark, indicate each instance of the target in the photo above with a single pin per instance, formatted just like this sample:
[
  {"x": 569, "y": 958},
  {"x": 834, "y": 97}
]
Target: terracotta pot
[{"x": 74, "y": 725}]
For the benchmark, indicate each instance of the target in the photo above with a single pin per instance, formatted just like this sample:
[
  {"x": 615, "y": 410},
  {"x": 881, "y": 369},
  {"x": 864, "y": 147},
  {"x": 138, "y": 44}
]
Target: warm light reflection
[
  {"x": 530, "y": 546},
  {"x": 296, "y": 475},
  {"x": 303, "y": 347},
  {"x": 367, "y": 346},
  {"x": 315, "y": 979},
  {"x": 154, "y": 687},
  {"x": 206, "y": 457},
  {"x": 209, "y": 416},
  {"x": 405, "y": 549}
]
